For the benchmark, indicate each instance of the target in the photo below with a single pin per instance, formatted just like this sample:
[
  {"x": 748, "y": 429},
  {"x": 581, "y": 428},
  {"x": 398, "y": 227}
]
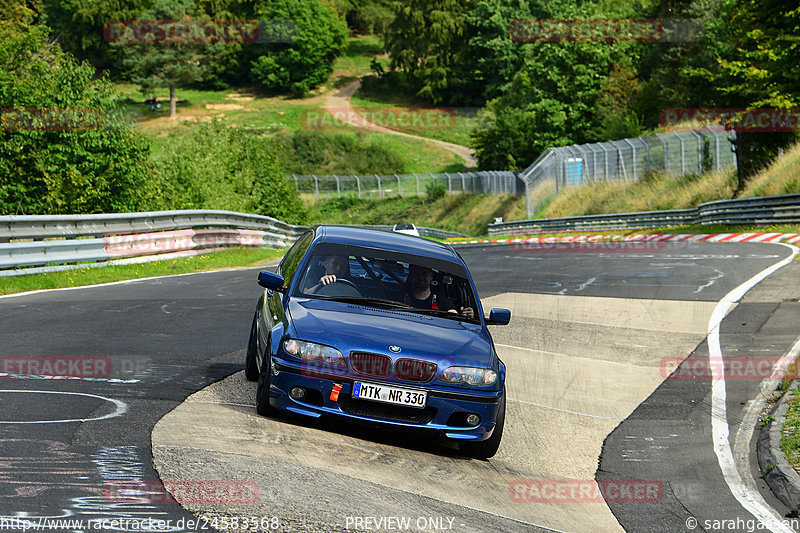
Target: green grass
[
  {"x": 463, "y": 213},
  {"x": 790, "y": 440},
  {"x": 89, "y": 274}
]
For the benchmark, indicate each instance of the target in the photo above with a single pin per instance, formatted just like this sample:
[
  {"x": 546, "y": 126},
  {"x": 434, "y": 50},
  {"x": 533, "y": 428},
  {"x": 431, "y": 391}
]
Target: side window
[{"x": 292, "y": 259}]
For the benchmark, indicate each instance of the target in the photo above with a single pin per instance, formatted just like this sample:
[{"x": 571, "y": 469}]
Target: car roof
[{"x": 386, "y": 240}]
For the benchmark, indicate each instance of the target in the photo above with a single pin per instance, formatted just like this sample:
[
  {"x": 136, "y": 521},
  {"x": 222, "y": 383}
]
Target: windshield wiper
[{"x": 382, "y": 302}]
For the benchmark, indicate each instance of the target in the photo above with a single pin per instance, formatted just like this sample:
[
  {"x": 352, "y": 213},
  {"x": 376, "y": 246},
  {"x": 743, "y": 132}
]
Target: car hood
[{"x": 351, "y": 327}]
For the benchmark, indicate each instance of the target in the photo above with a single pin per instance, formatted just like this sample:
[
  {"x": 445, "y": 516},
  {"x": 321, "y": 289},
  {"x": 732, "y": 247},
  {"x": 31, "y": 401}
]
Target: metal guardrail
[
  {"x": 760, "y": 211},
  {"x": 76, "y": 226},
  {"x": 41, "y": 240}
]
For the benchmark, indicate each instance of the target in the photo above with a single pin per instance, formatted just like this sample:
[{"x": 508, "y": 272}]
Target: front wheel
[
  {"x": 262, "y": 392},
  {"x": 250, "y": 367},
  {"x": 487, "y": 448}
]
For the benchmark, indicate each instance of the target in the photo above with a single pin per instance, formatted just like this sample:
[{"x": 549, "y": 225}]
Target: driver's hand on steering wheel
[{"x": 328, "y": 279}]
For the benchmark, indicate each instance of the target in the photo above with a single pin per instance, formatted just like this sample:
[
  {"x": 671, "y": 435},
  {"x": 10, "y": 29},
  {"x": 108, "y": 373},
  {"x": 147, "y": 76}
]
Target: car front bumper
[{"x": 443, "y": 415}]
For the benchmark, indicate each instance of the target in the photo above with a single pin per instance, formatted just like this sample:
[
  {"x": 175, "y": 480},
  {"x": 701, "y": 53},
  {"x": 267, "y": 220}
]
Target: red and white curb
[{"x": 790, "y": 238}]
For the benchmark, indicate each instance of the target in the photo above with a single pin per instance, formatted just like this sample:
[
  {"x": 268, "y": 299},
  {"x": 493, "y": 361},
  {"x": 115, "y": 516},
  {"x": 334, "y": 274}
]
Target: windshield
[{"x": 388, "y": 279}]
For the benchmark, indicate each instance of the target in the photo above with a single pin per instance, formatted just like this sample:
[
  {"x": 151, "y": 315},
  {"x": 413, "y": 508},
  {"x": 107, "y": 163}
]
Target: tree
[
  {"x": 760, "y": 73},
  {"x": 163, "y": 61},
  {"x": 316, "y": 38},
  {"x": 428, "y": 39},
  {"x": 63, "y": 148},
  {"x": 552, "y": 101}
]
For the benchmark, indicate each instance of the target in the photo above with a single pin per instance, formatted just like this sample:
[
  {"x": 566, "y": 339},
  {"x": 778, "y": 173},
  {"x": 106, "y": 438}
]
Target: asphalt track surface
[{"x": 66, "y": 444}]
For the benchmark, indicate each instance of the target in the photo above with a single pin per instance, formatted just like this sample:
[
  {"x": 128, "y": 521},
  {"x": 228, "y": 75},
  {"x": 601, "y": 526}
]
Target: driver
[
  {"x": 420, "y": 295},
  {"x": 336, "y": 266}
]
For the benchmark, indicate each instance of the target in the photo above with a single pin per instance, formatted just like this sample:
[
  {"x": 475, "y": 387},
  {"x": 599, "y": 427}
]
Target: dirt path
[{"x": 339, "y": 101}]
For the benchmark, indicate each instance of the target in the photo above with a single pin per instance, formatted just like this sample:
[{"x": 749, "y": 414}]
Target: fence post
[
  {"x": 699, "y": 151},
  {"x": 683, "y": 153},
  {"x": 338, "y": 188},
  {"x": 398, "y": 184},
  {"x": 380, "y": 190},
  {"x": 463, "y": 183},
  {"x": 358, "y": 184},
  {"x": 316, "y": 186},
  {"x": 297, "y": 186},
  {"x": 417, "y": 176},
  {"x": 633, "y": 150},
  {"x": 666, "y": 159},
  {"x": 716, "y": 139},
  {"x": 449, "y": 182}
]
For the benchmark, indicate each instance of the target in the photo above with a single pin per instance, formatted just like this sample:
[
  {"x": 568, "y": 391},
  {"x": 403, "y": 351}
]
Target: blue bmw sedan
[{"x": 379, "y": 328}]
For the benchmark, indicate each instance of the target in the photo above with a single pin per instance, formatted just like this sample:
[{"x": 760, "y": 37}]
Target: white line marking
[
  {"x": 711, "y": 281},
  {"x": 125, "y": 281},
  {"x": 749, "y": 499},
  {"x": 121, "y": 407},
  {"x": 604, "y": 361},
  {"x": 566, "y": 410}
]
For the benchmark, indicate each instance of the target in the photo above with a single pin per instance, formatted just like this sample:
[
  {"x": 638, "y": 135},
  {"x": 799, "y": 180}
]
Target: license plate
[{"x": 385, "y": 394}]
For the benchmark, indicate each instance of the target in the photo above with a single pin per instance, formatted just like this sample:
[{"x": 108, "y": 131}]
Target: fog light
[
  {"x": 297, "y": 393},
  {"x": 473, "y": 419}
]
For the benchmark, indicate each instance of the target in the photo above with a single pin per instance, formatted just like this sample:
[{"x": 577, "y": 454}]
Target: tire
[
  {"x": 250, "y": 366},
  {"x": 487, "y": 448},
  {"x": 262, "y": 392}
]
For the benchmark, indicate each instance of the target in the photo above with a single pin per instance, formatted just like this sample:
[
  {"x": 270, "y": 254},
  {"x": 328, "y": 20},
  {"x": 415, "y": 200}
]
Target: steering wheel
[{"x": 345, "y": 288}]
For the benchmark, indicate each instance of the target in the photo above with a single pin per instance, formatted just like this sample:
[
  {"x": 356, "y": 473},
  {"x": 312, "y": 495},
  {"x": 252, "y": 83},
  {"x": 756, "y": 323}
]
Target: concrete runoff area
[{"x": 576, "y": 366}]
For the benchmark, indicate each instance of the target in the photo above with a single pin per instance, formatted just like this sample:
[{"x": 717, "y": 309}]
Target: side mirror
[
  {"x": 270, "y": 280},
  {"x": 499, "y": 317}
]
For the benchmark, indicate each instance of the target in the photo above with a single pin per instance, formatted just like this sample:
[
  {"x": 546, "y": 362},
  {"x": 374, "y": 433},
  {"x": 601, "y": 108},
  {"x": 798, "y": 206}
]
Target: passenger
[{"x": 420, "y": 295}]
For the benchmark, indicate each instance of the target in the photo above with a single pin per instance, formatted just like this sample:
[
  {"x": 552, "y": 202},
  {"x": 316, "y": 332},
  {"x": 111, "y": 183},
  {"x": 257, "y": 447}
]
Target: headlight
[
  {"x": 477, "y": 377},
  {"x": 311, "y": 351}
]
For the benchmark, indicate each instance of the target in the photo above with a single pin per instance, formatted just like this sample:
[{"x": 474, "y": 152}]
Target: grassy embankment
[{"x": 283, "y": 116}]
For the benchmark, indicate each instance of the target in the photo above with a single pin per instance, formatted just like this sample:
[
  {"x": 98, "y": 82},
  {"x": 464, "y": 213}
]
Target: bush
[
  {"x": 317, "y": 40},
  {"x": 217, "y": 167},
  {"x": 341, "y": 153},
  {"x": 88, "y": 161},
  {"x": 435, "y": 191}
]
